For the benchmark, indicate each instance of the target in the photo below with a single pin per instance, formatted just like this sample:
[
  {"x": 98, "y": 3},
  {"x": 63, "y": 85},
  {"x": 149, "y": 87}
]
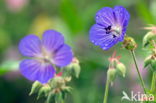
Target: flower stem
[
  {"x": 153, "y": 84},
  {"x": 137, "y": 68},
  {"x": 106, "y": 91}
]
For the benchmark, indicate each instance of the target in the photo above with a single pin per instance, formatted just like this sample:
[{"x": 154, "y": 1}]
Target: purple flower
[
  {"x": 45, "y": 54},
  {"x": 110, "y": 27}
]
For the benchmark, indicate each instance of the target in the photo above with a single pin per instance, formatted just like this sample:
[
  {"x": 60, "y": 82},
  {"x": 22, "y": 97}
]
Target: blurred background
[{"x": 73, "y": 18}]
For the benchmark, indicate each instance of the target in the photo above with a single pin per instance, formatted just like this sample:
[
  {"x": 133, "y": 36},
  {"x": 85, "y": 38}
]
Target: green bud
[
  {"x": 57, "y": 82},
  {"x": 121, "y": 69},
  {"x": 129, "y": 43},
  {"x": 147, "y": 40},
  {"x": 73, "y": 69},
  {"x": 44, "y": 91},
  {"x": 35, "y": 87},
  {"x": 67, "y": 79},
  {"x": 147, "y": 61},
  {"x": 77, "y": 69},
  {"x": 111, "y": 74},
  {"x": 67, "y": 89},
  {"x": 153, "y": 64}
]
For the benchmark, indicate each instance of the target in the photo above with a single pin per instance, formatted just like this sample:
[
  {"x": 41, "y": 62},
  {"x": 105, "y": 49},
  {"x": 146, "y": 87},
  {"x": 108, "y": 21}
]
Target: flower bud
[
  {"x": 121, "y": 69},
  {"x": 153, "y": 64},
  {"x": 35, "y": 87},
  {"x": 129, "y": 43},
  {"x": 73, "y": 69},
  {"x": 57, "y": 82},
  {"x": 147, "y": 40},
  {"x": 147, "y": 61},
  {"x": 44, "y": 91},
  {"x": 67, "y": 89},
  {"x": 111, "y": 74}
]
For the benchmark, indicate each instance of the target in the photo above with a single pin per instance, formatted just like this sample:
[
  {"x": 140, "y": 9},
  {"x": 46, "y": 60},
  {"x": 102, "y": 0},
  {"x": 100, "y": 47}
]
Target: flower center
[
  {"x": 114, "y": 30},
  {"x": 46, "y": 56}
]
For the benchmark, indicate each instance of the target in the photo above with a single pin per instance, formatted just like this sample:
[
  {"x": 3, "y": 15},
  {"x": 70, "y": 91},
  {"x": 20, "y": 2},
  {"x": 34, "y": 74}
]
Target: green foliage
[
  {"x": 71, "y": 15},
  {"x": 144, "y": 12}
]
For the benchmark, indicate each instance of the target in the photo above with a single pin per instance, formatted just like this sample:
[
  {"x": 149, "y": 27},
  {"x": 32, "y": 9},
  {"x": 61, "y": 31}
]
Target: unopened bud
[
  {"x": 35, "y": 87},
  {"x": 121, "y": 68},
  {"x": 147, "y": 61},
  {"x": 44, "y": 91},
  {"x": 74, "y": 68},
  {"x": 111, "y": 74},
  {"x": 129, "y": 43},
  {"x": 147, "y": 40},
  {"x": 67, "y": 89},
  {"x": 153, "y": 64},
  {"x": 57, "y": 82}
]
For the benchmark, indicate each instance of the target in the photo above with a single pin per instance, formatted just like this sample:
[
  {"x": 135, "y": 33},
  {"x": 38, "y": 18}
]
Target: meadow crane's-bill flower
[
  {"x": 44, "y": 54},
  {"x": 110, "y": 27}
]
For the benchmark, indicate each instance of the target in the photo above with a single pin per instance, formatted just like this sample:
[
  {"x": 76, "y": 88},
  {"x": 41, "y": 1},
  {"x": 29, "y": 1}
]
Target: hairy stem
[
  {"x": 137, "y": 68},
  {"x": 106, "y": 91}
]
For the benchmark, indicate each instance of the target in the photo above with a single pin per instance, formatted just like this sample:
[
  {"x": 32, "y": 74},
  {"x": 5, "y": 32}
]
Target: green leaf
[
  {"x": 8, "y": 66},
  {"x": 70, "y": 13}
]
